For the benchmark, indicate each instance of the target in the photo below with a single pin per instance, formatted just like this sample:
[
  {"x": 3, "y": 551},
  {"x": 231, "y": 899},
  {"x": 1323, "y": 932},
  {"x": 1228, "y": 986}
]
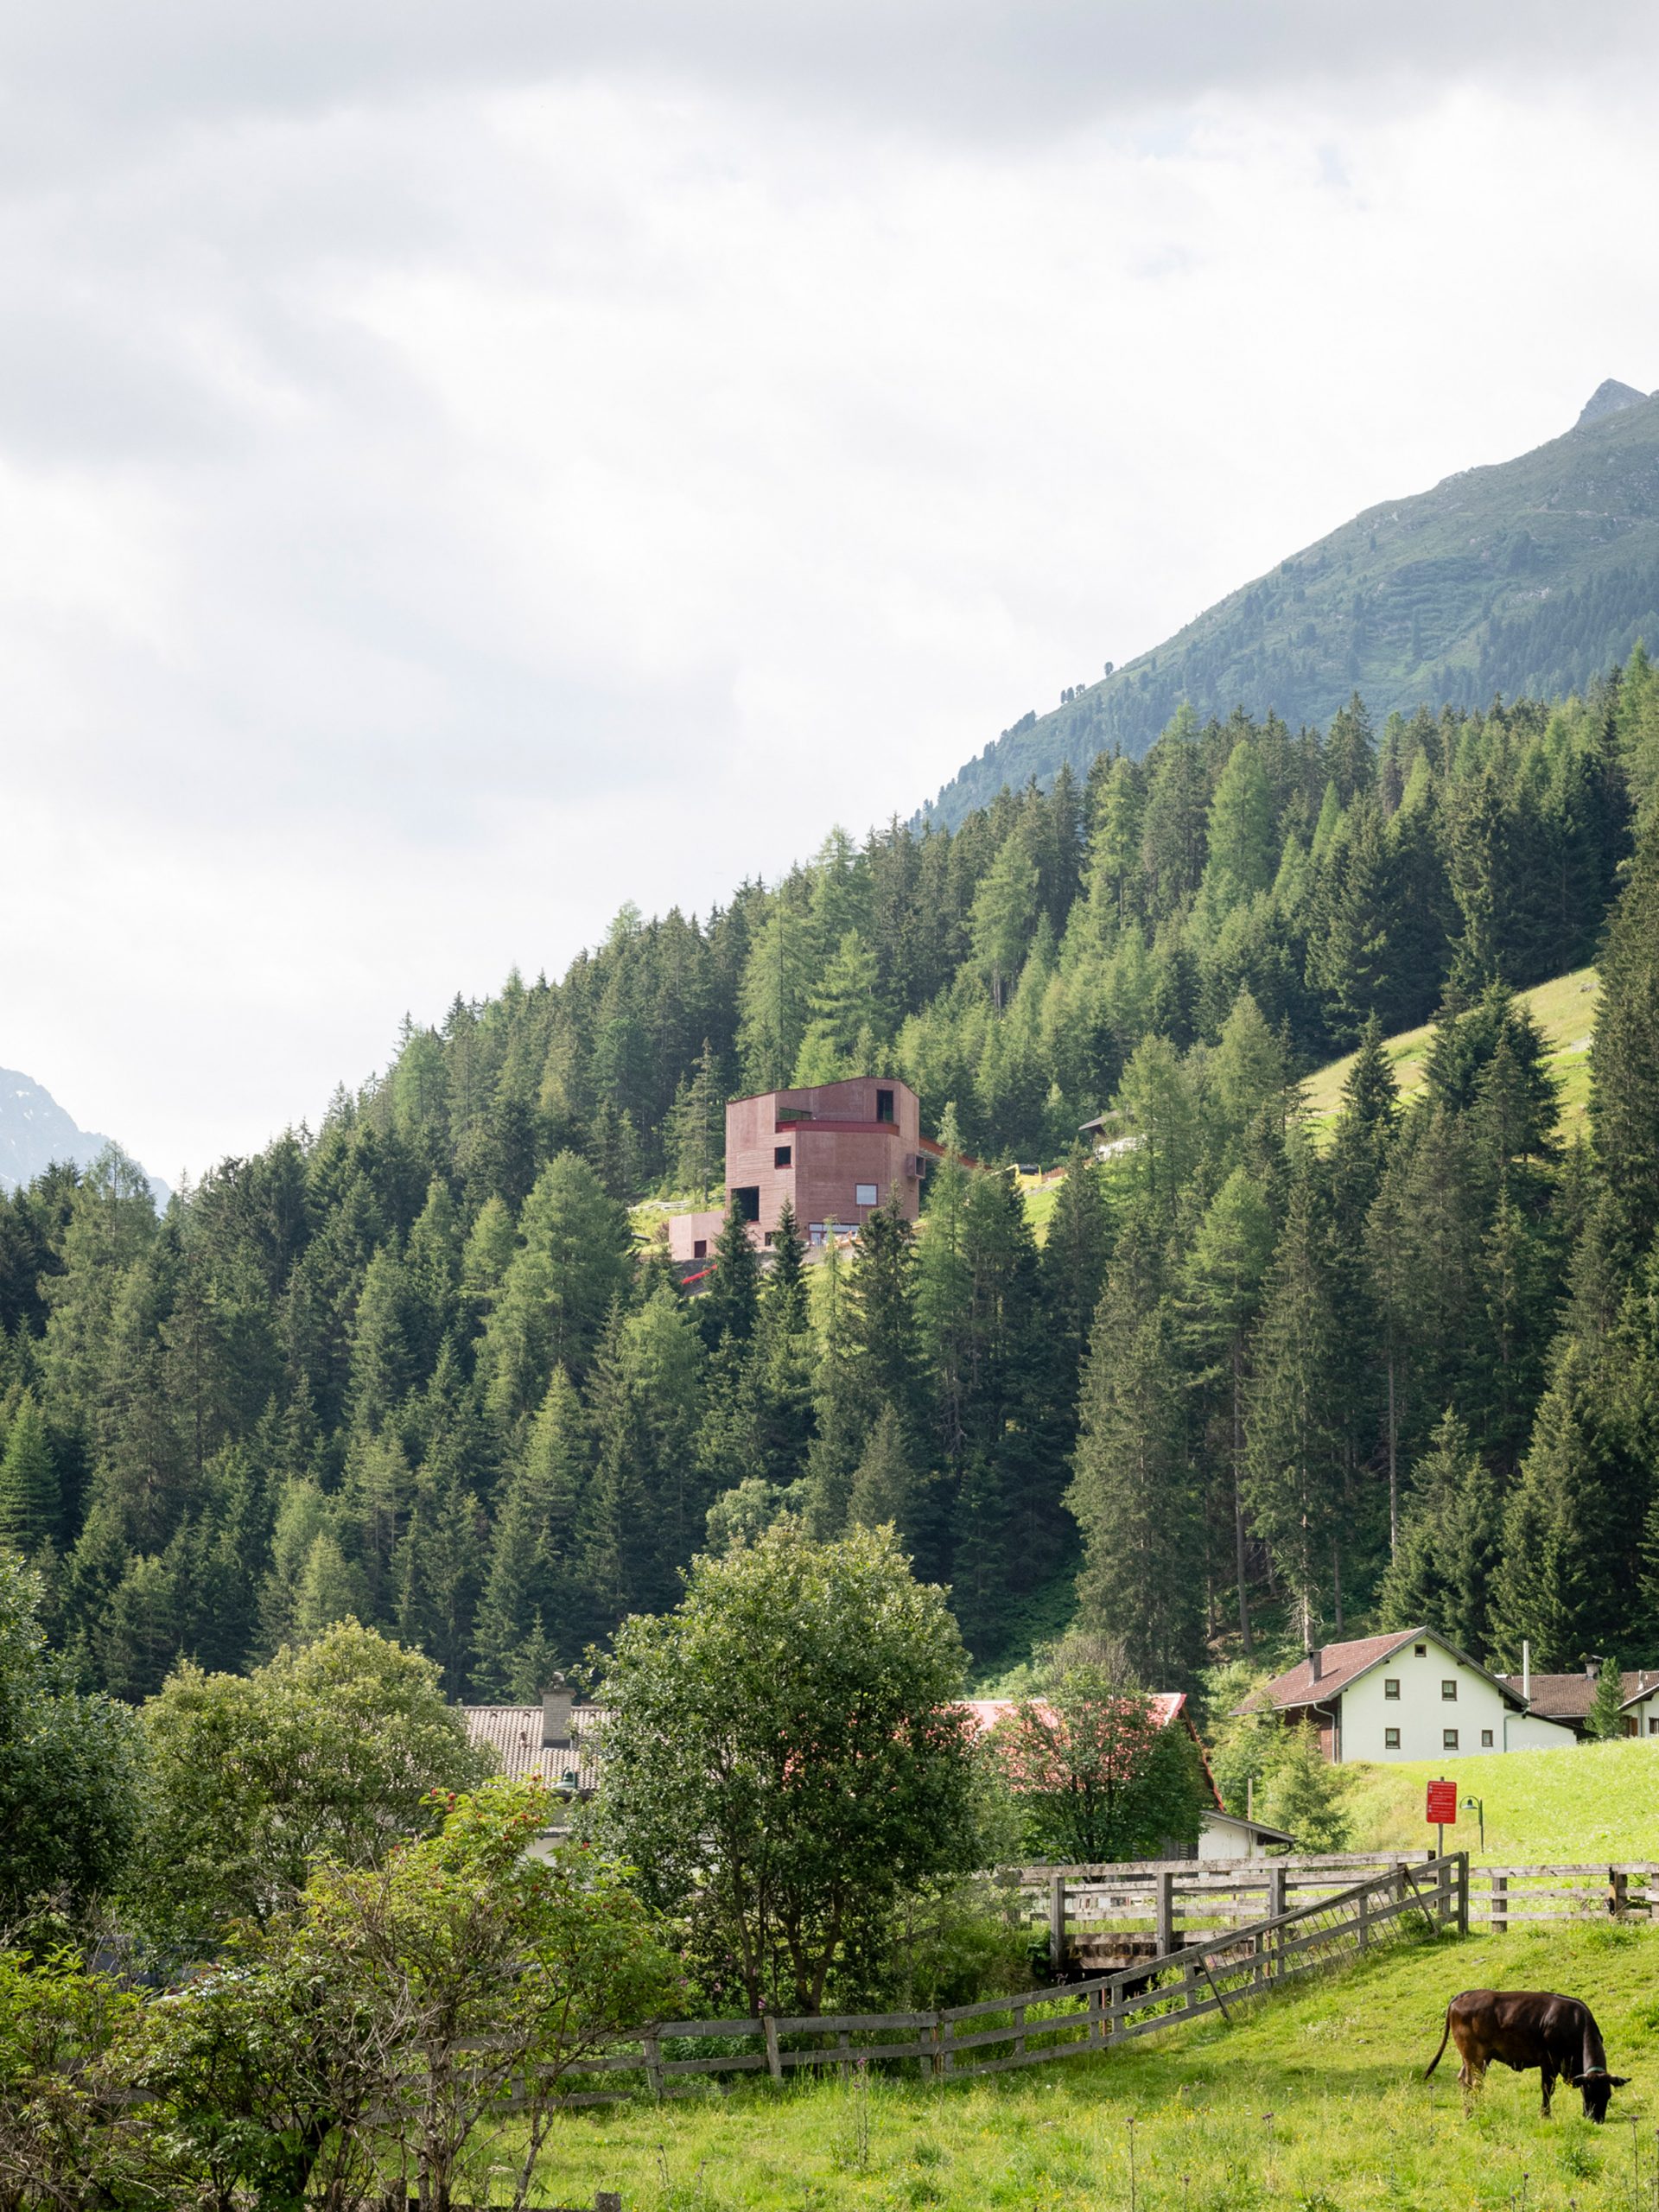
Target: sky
[{"x": 466, "y": 468}]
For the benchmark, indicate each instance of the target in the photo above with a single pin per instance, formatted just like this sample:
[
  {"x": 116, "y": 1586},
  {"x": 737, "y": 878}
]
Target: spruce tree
[
  {"x": 1624, "y": 1055},
  {"x": 1605, "y": 1722},
  {"x": 1222, "y": 1292},
  {"x": 1132, "y": 1493},
  {"x": 1293, "y": 1452},
  {"x": 731, "y": 1300},
  {"x": 1441, "y": 1573},
  {"x": 29, "y": 1500},
  {"x": 531, "y": 1589}
]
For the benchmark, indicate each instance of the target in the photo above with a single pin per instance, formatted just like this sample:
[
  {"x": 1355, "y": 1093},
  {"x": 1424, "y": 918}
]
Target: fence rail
[
  {"x": 1212, "y": 1975},
  {"x": 1100, "y": 1914}
]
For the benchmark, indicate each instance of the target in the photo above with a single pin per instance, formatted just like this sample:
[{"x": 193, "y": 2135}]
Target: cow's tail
[{"x": 1440, "y": 2053}]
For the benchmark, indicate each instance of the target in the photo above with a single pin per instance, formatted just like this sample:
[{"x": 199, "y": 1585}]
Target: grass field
[
  {"x": 1564, "y": 1009},
  {"x": 1596, "y": 1800},
  {"x": 1312, "y": 2101}
]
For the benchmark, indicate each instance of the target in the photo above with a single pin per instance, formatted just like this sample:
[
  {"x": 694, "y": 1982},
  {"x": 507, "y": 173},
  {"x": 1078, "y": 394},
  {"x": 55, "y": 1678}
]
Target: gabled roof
[
  {"x": 1165, "y": 1706},
  {"x": 1569, "y": 1697},
  {"x": 1341, "y": 1664},
  {"x": 513, "y": 1732}
]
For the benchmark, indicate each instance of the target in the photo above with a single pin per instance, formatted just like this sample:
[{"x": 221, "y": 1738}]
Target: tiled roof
[
  {"x": 513, "y": 1732},
  {"x": 988, "y": 1711},
  {"x": 1569, "y": 1697},
  {"x": 1339, "y": 1664}
]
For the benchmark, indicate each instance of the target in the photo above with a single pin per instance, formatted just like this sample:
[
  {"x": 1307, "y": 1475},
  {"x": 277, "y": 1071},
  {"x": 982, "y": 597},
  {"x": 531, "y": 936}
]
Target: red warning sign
[{"x": 1442, "y": 1804}]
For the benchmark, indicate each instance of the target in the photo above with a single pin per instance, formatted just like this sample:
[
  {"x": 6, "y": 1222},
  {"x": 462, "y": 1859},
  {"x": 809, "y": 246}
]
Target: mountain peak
[{"x": 1608, "y": 397}]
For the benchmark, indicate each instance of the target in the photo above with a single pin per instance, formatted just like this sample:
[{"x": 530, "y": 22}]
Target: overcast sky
[{"x": 465, "y": 466}]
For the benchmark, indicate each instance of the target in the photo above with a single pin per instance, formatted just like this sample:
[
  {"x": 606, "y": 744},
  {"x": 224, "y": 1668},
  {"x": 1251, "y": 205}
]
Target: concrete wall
[
  {"x": 1530, "y": 1731},
  {"x": 1420, "y": 1712}
]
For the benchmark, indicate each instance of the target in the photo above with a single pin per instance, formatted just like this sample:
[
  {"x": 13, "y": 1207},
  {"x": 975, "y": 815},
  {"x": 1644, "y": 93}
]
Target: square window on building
[
  {"x": 1390, "y": 1739},
  {"x": 1653, "y": 1728},
  {"x": 1448, "y": 1689},
  {"x": 768, "y": 1239},
  {"x": 815, "y": 1232},
  {"x": 884, "y": 1106},
  {"x": 700, "y": 1248},
  {"x": 1448, "y": 1739},
  {"x": 746, "y": 1201},
  {"x": 782, "y": 1155},
  {"x": 866, "y": 1194},
  {"x": 1485, "y": 1739},
  {"x": 1421, "y": 1650},
  {"x": 1390, "y": 1684}
]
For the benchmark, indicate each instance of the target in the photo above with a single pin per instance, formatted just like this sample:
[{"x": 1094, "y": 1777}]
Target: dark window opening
[
  {"x": 700, "y": 1248},
  {"x": 884, "y": 1106},
  {"x": 1421, "y": 1650},
  {"x": 1448, "y": 1739},
  {"x": 768, "y": 1237},
  {"x": 1485, "y": 1739},
  {"x": 782, "y": 1155},
  {"x": 746, "y": 1201}
]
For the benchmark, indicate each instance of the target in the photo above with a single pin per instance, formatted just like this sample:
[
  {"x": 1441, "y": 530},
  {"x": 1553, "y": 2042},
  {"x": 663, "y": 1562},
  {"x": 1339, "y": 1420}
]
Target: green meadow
[
  {"x": 1592, "y": 1801},
  {"x": 1313, "y": 2101}
]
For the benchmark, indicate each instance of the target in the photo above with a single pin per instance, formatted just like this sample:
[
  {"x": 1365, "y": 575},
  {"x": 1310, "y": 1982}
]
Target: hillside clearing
[
  {"x": 1565, "y": 1010},
  {"x": 1313, "y": 2101},
  {"x": 1595, "y": 1801}
]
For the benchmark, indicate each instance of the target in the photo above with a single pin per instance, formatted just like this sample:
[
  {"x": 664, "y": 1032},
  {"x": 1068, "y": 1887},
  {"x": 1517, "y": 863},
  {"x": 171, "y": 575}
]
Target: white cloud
[{"x": 459, "y": 482}]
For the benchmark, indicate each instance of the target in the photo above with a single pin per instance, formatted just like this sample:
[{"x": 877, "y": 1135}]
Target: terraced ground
[{"x": 1314, "y": 2102}]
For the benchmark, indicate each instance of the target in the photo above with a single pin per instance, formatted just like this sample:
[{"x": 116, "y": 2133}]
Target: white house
[{"x": 1408, "y": 1695}]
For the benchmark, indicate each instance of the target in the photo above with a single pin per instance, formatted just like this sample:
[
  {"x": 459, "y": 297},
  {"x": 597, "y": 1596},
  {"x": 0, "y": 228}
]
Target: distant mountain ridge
[
  {"x": 1529, "y": 576},
  {"x": 34, "y": 1131}
]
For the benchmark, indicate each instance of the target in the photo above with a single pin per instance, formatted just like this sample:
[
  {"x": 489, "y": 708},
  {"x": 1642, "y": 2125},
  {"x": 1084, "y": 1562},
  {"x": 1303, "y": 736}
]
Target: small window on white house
[
  {"x": 1653, "y": 1728},
  {"x": 1485, "y": 1739},
  {"x": 1421, "y": 1650},
  {"x": 1390, "y": 1739},
  {"x": 1448, "y": 1689},
  {"x": 866, "y": 1194},
  {"x": 1390, "y": 1684},
  {"x": 1448, "y": 1739}
]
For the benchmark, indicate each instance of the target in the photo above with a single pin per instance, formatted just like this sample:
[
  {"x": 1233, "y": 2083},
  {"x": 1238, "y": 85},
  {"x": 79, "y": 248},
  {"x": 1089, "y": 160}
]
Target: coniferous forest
[{"x": 1256, "y": 1381}]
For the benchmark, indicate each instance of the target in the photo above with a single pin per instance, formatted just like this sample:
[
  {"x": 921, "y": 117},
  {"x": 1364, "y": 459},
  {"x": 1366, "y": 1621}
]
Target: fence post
[
  {"x": 1057, "y": 1922},
  {"x": 1500, "y": 1905},
  {"x": 1115, "y": 2024},
  {"x": 1463, "y": 1893},
  {"x": 653, "y": 2063},
  {"x": 1618, "y": 1900},
  {"x": 1019, "y": 2024},
  {"x": 1442, "y": 1892},
  {"x": 1275, "y": 1911},
  {"x": 1364, "y": 1919},
  {"x": 1166, "y": 1912},
  {"x": 775, "y": 2061}
]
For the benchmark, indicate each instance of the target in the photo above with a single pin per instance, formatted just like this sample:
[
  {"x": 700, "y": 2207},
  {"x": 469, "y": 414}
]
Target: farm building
[
  {"x": 1223, "y": 1834},
  {"x": 836, "y": 1151},
  {"x": 1567, "y": 1699},
  {"x": 558, "y": 1741},
  {"x": 1408, "y": 1695}
]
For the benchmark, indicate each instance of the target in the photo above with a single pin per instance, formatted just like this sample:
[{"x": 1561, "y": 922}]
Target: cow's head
[{"x": 1595, "y": 2088}]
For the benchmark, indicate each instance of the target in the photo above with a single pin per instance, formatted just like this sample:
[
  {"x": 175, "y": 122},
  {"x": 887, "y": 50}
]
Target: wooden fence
[
  {"x": 1219, "y": 1972},
  {"x": 1110, "y": 1915}
]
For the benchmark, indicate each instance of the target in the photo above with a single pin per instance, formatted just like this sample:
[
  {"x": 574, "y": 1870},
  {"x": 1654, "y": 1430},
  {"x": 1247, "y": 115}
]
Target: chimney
[
  {"x": 1314, "y": 1656},
  {"x": 557, "y": 1702},
  {"x": 1526, "y": 1670}
]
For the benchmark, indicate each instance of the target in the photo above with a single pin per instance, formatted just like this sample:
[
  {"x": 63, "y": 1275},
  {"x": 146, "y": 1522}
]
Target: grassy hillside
[
  {"x": 1564, "y": 1009},
  {"x": 1533, "y": 575},
  {"x": 1594, "y": 1801},
  {"x": 1312, "y": 2101}
]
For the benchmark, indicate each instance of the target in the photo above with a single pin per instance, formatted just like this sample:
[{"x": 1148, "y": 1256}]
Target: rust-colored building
[{"x": 836, "y": 1151}]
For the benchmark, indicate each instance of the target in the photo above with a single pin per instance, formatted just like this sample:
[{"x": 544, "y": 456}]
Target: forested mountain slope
[
  {"x": 1529, "y": 576},
  {"x": 409, "y": 1368}
]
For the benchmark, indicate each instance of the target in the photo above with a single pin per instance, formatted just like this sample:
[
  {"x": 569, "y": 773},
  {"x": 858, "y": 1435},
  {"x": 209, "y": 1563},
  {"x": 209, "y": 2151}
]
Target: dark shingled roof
[
  {"x": 1342, "y": 1663},
  {"x": 1569, "y": 1697}
]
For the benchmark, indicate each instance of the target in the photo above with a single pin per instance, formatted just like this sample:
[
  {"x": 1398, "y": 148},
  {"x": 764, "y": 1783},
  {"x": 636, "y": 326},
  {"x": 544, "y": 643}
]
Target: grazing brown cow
[{"x": 1524, "y": 2028}]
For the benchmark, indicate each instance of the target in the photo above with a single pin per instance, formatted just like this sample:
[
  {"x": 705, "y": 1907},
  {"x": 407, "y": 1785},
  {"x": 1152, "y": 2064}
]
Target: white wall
[
  {"x": 1224, "y": 1836},
  {"x": 1529, "y": 1732},
  {"x": 1646, "y": 1715},
  {"x": 1420, "y": 1712}
]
